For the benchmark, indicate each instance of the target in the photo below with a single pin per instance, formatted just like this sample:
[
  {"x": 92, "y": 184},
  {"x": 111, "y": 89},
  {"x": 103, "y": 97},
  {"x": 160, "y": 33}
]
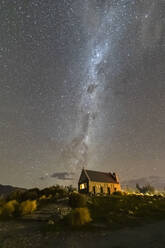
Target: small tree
[{"x": 145, "y": 189}]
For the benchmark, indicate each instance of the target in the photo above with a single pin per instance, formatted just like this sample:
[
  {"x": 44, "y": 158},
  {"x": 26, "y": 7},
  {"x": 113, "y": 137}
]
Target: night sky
[{"x": 82, "y": 83}]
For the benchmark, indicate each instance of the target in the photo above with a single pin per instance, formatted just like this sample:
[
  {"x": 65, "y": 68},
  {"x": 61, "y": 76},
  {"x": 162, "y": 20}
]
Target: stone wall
[{"x": 112, "y": 186}]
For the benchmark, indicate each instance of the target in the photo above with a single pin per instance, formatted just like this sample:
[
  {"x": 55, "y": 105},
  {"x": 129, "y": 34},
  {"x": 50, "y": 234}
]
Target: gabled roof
[{"x": 98, "y": 176}]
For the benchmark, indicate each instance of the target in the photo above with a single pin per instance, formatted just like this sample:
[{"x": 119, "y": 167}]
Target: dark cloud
[
  {"x": 42, "y": 178},
  {"x": 63, "y": 175}
]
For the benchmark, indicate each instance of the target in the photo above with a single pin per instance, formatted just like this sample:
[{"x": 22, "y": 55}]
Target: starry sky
[{"x": 82, "y": 83}]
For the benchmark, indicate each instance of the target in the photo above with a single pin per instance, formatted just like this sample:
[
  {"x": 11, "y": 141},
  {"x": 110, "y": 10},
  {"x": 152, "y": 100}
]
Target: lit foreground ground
[
  {"x": 28, "y": 234},
  {"x": 117, "y": 221}
]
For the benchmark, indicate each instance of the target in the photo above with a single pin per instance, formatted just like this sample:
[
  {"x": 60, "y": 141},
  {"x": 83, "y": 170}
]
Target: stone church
[{"x": 96, "y": 182}]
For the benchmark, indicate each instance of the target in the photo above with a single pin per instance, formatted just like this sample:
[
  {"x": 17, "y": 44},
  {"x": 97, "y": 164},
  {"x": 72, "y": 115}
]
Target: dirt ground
[{"x": 26, "y": 235}]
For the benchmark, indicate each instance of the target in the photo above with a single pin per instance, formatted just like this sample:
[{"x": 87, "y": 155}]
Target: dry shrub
[
  {"x": 44, "y": 197},
  {"x": 27, "y": 207},
  {"x": 9, "y": 209},
  {"x": 80, "y": 216}
]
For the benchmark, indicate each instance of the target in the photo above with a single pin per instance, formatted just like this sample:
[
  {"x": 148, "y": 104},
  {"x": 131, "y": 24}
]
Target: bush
[
  {"x": 43, "y": 200},
  {"x": 23, "y": 195},
  {"x": 77, "y": 200},
  {"x": 57, "y": 192},
  {"x": 80, "y": 216},
  {"x": 17, "y": 195},
  {"x": 145, "y": 189},
  {"x": 32, "y": 194},
  {"x": 27, "y": 207},
  {"x": 9, "y": 209},
  {"x": 44, "y": 197},
  {"x": 13, "y": 208}
]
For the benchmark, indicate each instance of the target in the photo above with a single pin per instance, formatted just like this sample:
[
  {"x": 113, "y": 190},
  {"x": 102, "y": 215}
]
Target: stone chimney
[{"x": 115, "y": 177}]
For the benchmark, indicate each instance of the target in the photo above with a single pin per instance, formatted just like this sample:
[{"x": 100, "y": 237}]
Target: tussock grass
[{"x": 80, "y": 217}]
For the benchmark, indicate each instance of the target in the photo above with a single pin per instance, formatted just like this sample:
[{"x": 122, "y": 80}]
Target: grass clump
[{"x": 80, "y": 217}]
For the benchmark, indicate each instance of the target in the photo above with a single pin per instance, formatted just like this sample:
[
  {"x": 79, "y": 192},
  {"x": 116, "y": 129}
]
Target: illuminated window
[{"x": 83, "y": 186}]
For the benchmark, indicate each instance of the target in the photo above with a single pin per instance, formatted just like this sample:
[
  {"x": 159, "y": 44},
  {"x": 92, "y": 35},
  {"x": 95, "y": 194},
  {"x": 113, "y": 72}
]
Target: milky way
[
  {"x": 108, "y": 28},
  {"x": 99, "y": 47},
  {"x": 81, "y": 84}
]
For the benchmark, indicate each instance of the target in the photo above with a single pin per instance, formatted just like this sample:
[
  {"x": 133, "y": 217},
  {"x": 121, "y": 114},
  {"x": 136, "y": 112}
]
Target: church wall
[{"x": 112, "y": 186}]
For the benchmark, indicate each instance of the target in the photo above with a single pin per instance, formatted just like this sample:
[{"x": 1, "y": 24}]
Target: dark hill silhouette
[{"x": 7, "y": 189}]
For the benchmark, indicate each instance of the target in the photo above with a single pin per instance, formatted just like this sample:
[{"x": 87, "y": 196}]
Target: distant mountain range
[
  {"x": 7, "y": 189},
  {"x": 156, "y": 181}
]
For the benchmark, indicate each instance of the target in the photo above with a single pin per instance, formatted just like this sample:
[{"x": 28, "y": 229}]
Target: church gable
[{"x": 83, "y": 177}]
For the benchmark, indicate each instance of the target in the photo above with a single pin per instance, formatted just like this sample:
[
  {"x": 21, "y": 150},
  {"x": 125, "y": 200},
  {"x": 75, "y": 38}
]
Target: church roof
[{"x": 98, "y": 176}]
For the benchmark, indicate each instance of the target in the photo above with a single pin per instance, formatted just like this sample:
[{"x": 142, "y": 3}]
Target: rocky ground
[
  {"x": 37, "y": 231},
  {"x": 28, "y": 234}
]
